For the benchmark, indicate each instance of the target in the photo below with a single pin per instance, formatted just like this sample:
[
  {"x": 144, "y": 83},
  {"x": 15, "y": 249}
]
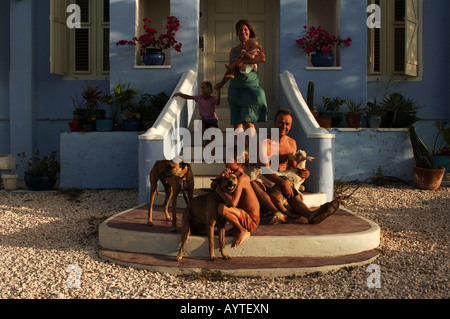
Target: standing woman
[{"x": 246, "y": 98}]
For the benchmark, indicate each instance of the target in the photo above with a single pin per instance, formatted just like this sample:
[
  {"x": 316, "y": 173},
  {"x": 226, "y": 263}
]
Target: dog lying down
[
  {"x": 291, "y": 175},
  {"x": 203, "y": 209}
]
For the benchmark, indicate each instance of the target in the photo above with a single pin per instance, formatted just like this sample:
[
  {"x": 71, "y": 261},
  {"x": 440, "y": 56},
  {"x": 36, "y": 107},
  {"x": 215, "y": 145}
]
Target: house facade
[{"x": 46, "y": 58}]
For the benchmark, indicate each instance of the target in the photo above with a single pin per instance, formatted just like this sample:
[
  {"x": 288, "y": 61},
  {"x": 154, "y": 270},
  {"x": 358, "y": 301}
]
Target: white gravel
[{"x": 41, "y": 235}]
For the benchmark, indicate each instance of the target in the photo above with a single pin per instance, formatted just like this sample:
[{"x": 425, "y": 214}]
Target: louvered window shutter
[
  {"x": 58, "y": 41},
  {"x": 411, "y": 38},
  {"x": 83, "y": 38}
]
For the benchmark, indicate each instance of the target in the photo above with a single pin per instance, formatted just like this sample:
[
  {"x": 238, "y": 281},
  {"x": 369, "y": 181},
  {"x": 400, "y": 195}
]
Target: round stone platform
[{"x": 343, "y": 239}]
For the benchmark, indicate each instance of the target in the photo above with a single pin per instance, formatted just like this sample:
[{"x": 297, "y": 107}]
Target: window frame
[
  {"x": 387, "y": 42},
  {"x": 62, "y": 42}
]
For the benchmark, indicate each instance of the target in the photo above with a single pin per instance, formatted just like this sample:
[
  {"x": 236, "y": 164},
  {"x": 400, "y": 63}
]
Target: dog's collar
[{"x": 185, "y": 175}]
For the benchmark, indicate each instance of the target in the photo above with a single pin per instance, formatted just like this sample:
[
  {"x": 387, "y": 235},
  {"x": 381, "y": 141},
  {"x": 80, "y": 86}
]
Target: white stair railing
[
  {"x": 161, "y": 141},
  {"x": 316, "y": 141}
]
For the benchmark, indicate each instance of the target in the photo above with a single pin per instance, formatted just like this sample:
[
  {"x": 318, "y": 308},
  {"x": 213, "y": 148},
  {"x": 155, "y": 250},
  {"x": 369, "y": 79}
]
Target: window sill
[
  {"x": 152, "y": 67},
  {"x": 331, "y": 68}
]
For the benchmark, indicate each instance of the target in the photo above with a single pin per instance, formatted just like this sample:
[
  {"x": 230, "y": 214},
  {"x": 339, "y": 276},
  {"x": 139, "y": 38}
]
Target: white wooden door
[{"x": 219, "y": 18}]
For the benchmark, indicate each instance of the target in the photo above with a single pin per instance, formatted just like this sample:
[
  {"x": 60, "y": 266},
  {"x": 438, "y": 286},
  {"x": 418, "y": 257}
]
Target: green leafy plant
[
  {"x": 332, "y": 105},
  {"x": 353, "y": 107},
  {"x": 151, "y": 105},
  {"x": 445, "y": 133},
  {"x": 422, "y": 156},
  {"x": 120, "y": 100},
  {"x": 46, "y": 166},
  {"x": 373, "y": 108}
]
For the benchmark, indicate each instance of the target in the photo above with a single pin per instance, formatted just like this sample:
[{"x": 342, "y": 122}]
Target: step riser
[
  {"x": 255, "y": 246},
  {"x": 311, "y": 200}
]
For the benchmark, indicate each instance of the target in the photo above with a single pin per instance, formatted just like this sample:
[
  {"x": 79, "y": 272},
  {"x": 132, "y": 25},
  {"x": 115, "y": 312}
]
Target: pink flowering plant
[
  {"x": 319, "y": 40},
  {"x": 150, "y": 39}
]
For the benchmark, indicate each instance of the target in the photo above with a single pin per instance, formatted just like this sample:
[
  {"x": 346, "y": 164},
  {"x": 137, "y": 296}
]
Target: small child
[
  {"x": 242, "y": 208},
  {"x": 207, "y": 103},
  {"x": 250, "y": 51}
]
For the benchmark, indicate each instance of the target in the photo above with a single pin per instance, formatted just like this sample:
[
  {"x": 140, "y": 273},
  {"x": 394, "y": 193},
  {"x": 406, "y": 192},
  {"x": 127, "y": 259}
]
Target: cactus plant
[
  {"x": 422, "y": 156},
  {"x": 310, "y": 96}
]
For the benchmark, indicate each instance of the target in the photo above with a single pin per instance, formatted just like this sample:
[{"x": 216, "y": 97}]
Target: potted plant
[
  {"x": 150, "y": 106},
  {"x": 310, "y": 100},
  {"x": 87, "y": 109},
  {"x": 78, "y": 114},
  {"x": 353, "y": 117},
  {"x": 120, "y": 100},
  {"x": 427, "y": 174},
  {"x": 7, "y": 163},
  {"x": 332, "y": 109},
  {"x": 374, "y": 113},
  {"x": 319, "y": 42},
  {"x": 151, "y": 47},
  {"x": 41, "y": 173},
  {"x": 400, "y": 111},
  {"x": 131, "y": 119},
  {"x": 441, "y": 155}
]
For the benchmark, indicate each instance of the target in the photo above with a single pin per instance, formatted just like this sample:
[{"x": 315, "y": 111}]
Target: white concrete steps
[{"x": 310, "y": 199}]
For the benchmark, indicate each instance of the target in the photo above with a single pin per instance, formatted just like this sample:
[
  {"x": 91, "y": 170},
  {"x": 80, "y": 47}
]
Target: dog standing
[
  {"x": 203, "y": 209},
  {"x": 172, "y": 175}
]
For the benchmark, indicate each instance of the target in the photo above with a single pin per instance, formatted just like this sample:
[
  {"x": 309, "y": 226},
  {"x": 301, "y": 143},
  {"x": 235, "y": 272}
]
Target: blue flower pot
[
  {"x": 104, "y": 125},
  {"x": 443, "y": 161},
  {"x": 38, "y": 183},
  {"x": 153, "y": 57},
  {"x": 131, "y": 125},
  {"x": 322, "y": 59}
]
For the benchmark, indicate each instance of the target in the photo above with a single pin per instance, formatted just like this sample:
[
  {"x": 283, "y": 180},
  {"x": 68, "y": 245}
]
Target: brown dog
[
  {"x": 203, "y": 210},
  {"x": 172, "y": 174}
]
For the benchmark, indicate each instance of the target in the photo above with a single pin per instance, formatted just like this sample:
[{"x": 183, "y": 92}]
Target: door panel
[{"x": 220, "y": 38}]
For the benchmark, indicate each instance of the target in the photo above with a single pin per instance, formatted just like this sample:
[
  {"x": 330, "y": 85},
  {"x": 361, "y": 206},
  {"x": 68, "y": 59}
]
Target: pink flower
[
  {"x": 149, "y": 40},
  {"x": 319, "y": 40}
]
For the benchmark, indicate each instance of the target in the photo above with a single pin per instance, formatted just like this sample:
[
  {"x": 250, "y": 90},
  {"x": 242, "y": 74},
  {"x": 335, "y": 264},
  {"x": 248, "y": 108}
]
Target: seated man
[{"x": 287, "y": 147}]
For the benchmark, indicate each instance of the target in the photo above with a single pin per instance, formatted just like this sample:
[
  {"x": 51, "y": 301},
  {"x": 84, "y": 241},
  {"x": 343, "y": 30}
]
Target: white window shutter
[
  {"x": 58, "y": 33},
  {"x": 412, "y": 38}
]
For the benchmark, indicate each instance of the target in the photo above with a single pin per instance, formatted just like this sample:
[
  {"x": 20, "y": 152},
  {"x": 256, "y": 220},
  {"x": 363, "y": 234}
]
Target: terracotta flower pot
[
  {"x": 324, "y": 121},
  {"x": 353, "y": 119},
  {"x": 428, "y": 179}
]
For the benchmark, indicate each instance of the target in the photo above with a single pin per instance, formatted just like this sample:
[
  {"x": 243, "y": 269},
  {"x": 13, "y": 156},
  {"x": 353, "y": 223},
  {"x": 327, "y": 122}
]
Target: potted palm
[
  {"x": 427, "y": 174},
  {"x": 41, "y": 173},
  {"x": 441, "y": 155},
  {"x": 120, "y": 100},
  {"x": 401, "y": 111},
  {"x": 353, "y": 116}
]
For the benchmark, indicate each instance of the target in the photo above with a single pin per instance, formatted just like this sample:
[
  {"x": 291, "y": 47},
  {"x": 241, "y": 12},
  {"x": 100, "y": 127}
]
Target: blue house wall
[
  {"x": 35, "y": 105},
  {"x": 4, "y": 78}
]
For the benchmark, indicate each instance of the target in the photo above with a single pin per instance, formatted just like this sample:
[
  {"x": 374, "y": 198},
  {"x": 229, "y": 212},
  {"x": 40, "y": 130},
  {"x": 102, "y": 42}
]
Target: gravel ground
[{"x": 41, "y": 235}]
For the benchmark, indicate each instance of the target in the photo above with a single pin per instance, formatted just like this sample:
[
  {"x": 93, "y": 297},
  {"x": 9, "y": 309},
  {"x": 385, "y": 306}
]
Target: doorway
[{"x": 218, "y": 37}]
